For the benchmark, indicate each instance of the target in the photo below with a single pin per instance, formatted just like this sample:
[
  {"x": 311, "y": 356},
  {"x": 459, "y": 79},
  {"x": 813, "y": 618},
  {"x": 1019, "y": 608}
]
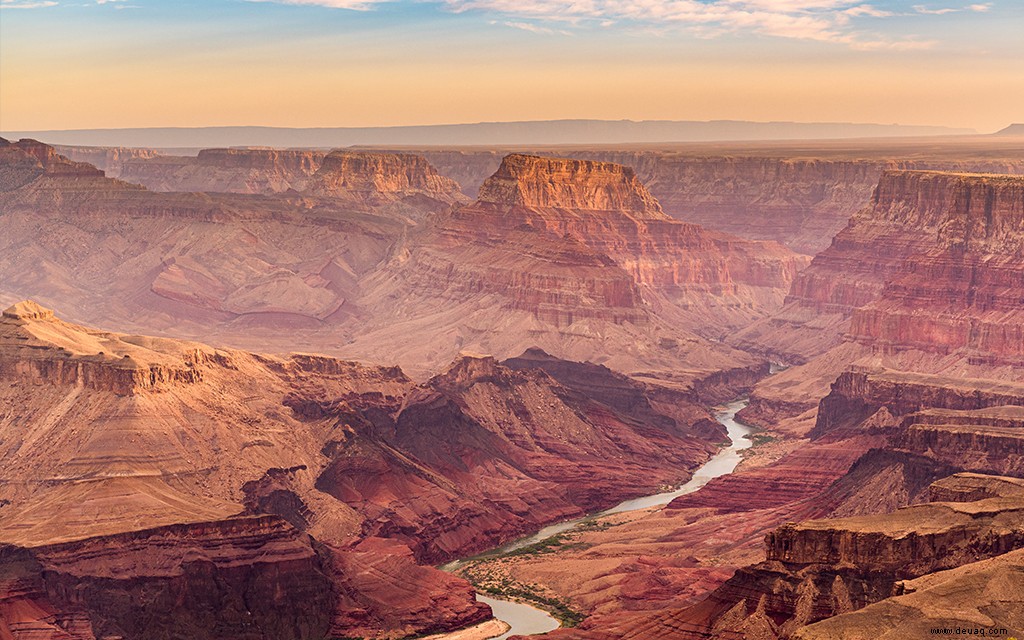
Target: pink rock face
[
  {"x": 225, "y": 170},
  {"x": 538, "y": 183},
  {"x": 605, "y": 207},
  {"x": 380, "y": 177},
  {"x": 366, "y": 178},
  {"x": 252, "y": 577},
  {"x": 932, "y": 264},
  {"x": 962, "y": 294},
  {"x": 801, "y": 200}
]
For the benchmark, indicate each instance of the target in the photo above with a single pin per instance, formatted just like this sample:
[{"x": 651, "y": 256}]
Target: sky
[{"x": 303, "y": 63}]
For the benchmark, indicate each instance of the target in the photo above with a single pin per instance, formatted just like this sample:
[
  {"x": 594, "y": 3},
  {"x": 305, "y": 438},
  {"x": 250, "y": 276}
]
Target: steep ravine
[{"x": 526, "y": 619}]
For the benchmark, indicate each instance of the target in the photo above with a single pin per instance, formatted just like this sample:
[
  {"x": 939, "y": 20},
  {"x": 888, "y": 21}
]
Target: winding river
[{"x": 527, "y": 620}]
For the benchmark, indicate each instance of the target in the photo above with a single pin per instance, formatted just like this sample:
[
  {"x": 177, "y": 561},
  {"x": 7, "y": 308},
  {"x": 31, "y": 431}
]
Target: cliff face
[
  {"x": 110, "y": 160},
  {"x": 962, "y": 294},
  {"x": 529, "y": 181},
  {"x": 225, "y": 170},
  {"x": 364, "y": 178},
  {"x": 634, "y": 231},
  {"x": 626, "y": 287},
  {"x": 247, "y": 577},
  {"x": 800, "y": 200},
  {"x": 378, "y": 178},
  {"x": 27, "y": 160},
  {"x": 604, "y": 208},
  {"x": 931, "y": 265},
  {"x": 857, "y": 395}
]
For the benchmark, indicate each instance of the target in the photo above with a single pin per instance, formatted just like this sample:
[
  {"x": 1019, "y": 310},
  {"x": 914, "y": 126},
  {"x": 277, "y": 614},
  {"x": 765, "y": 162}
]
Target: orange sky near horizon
[{"x": 385, "y": 70}]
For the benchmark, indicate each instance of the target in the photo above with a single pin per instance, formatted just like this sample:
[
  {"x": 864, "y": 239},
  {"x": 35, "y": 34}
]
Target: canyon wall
[
  {"x": 932, "y": 264},
  {"x": 801, "y": 200}
]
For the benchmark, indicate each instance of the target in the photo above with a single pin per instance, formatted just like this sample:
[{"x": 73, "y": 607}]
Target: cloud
[
  {"x": 866, "y": 10},
  {"x": 818, "y": 20},
  {"x": 920, "y": 8},
  {"x": 533, "y": 28},
  {"x": 356, "y": 5},
  {"x": 978, "y": 8},
  {"x": 893, "y": 45},
  {"x": 26, "y": 4}
]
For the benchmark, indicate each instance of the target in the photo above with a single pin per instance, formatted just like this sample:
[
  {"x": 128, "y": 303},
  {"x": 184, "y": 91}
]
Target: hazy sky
[{"x": 125, "y": 63}]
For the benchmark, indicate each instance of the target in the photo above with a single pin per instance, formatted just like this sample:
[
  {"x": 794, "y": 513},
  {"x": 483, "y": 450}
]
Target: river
[{"x": 527, "y": 620}]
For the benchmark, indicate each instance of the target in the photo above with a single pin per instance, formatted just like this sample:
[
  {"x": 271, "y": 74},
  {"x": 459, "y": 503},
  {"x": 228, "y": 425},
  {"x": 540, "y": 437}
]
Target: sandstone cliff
[
  {"x": 379, "y": 178},
  {"x": 929, "y": 263},
  {"x": 798, "y": 195}
]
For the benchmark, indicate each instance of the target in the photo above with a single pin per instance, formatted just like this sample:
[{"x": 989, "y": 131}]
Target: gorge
[{"x": 319, "y": 374}]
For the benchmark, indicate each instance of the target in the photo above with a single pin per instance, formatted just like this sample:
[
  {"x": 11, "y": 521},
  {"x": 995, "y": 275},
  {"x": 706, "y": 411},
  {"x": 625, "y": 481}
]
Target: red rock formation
[
  {"x": 800, "y": 197},
  {"x": 931, "y": 264},
  {"x": 360, "y": 178},
  {"x": 110, "y": 160},
  {"x": 961, "y": 294},
  {"x": 860, "y": 394},
  {"x": 632, "y": 277},
  {"x": 264, "y": 171},
  {"x": 101, "y": 449},
  {"x": 535, "y": 183},
  {"x": 605, "y": 207},
  {"x": 493, "y": 452},
  {"x": 253, "y": 577},
  {"x": 379, "y": 178}
]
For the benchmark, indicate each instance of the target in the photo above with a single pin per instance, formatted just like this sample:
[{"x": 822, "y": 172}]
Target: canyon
[
  {"x": 799, "y": 194},
  {"x": 149, "y": 472},
  {"x": 323, "y": 373},
  {"x": 396, "y": 251}
]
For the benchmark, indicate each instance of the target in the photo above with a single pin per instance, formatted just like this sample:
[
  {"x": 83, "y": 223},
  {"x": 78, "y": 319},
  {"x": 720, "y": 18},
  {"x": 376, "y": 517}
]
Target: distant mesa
[
  {"x": 535, "y": 182},
  {"x": 23, "y": 161},
  {"x": 1016, "y": 129},
  {"x": 539, "y": 132},
  {"x": 376, "y": 177}
]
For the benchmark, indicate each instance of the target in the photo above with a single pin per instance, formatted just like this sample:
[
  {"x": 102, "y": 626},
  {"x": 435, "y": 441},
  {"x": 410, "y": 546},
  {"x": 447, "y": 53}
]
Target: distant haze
[{"x": 488, "y": 133}]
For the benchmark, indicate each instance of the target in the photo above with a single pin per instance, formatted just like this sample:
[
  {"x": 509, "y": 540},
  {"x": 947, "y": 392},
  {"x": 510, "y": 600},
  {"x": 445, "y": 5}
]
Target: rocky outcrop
[
  {"x": 800, "y": 197},
  {"x": 987, "y": 440},
  {"x": 265, "y": 171},
  {"x": 562, "y": 450},
  {"x": 822, "y": 568},
  {"x": 27, "y": 352},
  {"x": 366, "y": 179},
  {"x": 110, "y": 160},
  {"x": 27, "y": 160},
  {"x": 961, "y": 294},
  {"x": 247, "y": 577},
  {"x": 379, "y": 586},
  {"x": 976, "y": 599},
  {"x": 931, "y": 265},
  {"x": 539, "y": 183},
  {"x": 858, "y": 395},
  {"x": 379, "y": 178},
  {"x": 558, "y": 211}
]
